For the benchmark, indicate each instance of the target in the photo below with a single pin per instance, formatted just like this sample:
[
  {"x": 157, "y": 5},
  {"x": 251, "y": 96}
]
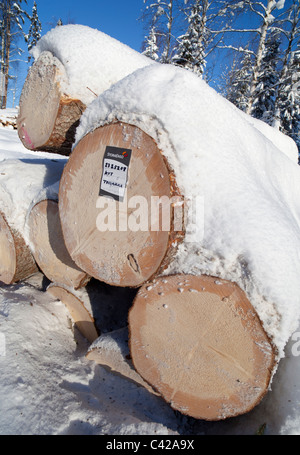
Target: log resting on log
[
  {"x": 97, "y": 308},
  {"x": 21, "y": 183},
  {"x": 199, "y": 342},
  {"x": 16, "y": 260},
  {"x": 48, "y": 117},
  {"x": 121, "y": 242},
  {"x": 111, "y": 350},
  {"x": 76, "y": 305},
  {"x": 48, "y": 246}
]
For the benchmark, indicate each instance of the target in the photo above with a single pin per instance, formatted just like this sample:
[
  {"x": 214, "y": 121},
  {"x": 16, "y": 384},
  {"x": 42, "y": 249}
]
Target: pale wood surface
[
  {"x": 47, "y": 118},
  {"x": 77, "y": 308},
  {"x": 200, "y": 344},
  {"x": 121, "y": 257},
  {"x": 111, "y": 350},
  {"x": 49, "y": 249},
  {"x": 16, "y": 260}
]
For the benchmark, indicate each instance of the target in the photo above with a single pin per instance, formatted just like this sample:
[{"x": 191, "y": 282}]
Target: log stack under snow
[
  {"x": 73, "y": 65},
  {"x": 166, "y": 205}
]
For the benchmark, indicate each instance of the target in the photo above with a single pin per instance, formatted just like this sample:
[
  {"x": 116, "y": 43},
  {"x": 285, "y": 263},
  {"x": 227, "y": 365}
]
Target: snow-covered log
[
  {"x": 48, "y": 247},
  {"x": 199, "y": 343},
  {"x": 16, "y": 260},
  {"x": 112, "y": 350},
  {"x": 95, "y": 227},
  {"x": 73, "y": 65},
  {"x": 21, "y": 180},
  {"x": 47, "y": 117},
  {"x": 95, "y": 309},
  {"x": 243, "y": 191},
  {"x": 78, "y": 305},
  {"x": 242, "y": 222}
]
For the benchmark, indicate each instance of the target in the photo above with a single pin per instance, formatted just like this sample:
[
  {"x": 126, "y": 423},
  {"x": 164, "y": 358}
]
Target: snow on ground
[{"x": 47, "y": 386}]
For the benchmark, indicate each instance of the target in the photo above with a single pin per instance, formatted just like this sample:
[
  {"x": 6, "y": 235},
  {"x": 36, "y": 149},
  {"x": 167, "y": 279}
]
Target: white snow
[
  {"x": 250, "y": 188},
  {"x": 34, "y": 172},
  {"x": 92, "y": 60},
  {"x": 251, "y": 191}
]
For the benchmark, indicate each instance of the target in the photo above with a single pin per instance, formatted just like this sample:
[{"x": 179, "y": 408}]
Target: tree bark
[{"x": 198, "y": 341}]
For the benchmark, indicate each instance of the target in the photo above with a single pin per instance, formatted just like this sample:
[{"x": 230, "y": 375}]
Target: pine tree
[
  {"x": 264, "y": 11},
  {"x": 35, "y": 29},
  {"x": 11, "y": 27},
  {"x": 150, "y": 45},
  {"x": 162, "y": 21},
  {"x": 263, "y": 106},
  {"x": 289, "y": 101},
  {"x": 190, "y": 52},
  {"x": 238, "y": 81}
]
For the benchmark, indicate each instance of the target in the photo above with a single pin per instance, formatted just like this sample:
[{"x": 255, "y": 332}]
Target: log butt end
[
  {"x": 16, "y": 262},
  {"x": 82, "y": 318},
  {"x": 200, "y": 344}
]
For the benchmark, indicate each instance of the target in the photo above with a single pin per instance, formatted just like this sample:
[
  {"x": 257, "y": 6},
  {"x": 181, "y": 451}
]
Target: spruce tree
[
  {"x": 289, "y": 101},
  {"x": 150, "y": 45},
  {"x": 12, "y": 19},
  {"x": 267, "y": 79},
  {"x": 238, "y": 81},
  {"x": 35, "y": 29},
  {"x": 190, "y": 52}
]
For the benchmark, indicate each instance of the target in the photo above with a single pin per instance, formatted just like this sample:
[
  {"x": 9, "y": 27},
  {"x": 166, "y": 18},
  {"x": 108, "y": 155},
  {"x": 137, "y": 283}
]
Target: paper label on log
[{"x": 114, "y": 179}]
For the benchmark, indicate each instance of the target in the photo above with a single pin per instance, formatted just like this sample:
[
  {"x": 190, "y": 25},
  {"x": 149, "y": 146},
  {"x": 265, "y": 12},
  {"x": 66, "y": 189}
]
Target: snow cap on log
[
  {"x": 21, "y": 180},
  {"x": 92, "y": 60},
  {"x": 245, "y": 188}
]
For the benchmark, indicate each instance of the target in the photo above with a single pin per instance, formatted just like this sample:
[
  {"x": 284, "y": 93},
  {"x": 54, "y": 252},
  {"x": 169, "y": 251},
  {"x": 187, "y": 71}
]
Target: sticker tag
[{"x": 115, "y": 172}]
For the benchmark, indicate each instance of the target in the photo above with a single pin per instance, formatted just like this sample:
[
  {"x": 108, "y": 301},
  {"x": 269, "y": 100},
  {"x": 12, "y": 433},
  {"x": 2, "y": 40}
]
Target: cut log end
[
  {"x": 200, "y": 344},
  {"x": 111, "y": 350},
  {"x": 16, "y": 261},
  {"x": 81, "y": 317},
  {"x": 49, "y": 249},
  {"x": 97, "y": 227},
  {"x": 47, "y": 118}
]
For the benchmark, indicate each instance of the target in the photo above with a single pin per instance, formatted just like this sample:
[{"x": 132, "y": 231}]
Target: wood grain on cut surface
[
  {"x": 199, "y": 342},
  {"x": 119, "y": 255},
  {"x": 16, "y": 260},
  {"x": 47, "y": 118},
  {"x": 49, "y": 249}
]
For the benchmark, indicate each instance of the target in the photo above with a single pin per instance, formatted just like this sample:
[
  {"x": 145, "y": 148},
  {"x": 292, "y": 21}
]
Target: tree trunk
[
  {"x": 47, "y": 118},
  {"x": 16, "y": 260},
  {"x": 121, "y": 239},
  {"x": 111, "y": 350},
  {"x": 48, "y": 246},
  {"x": 198, "y": 342}
]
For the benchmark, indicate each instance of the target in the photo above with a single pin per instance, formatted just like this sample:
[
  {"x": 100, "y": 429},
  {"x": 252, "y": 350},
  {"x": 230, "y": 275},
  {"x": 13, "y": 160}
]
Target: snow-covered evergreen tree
[
  {"x": 238, "y": 81},
  {"x": 289, "y": 100},
  {"x": 190, "y": 51},
  {"x": 161, "y": 14},
  {"x": 35, "y": 29},
  {"x": 12, "y": 19},
  {"x": 263, "y": 10},
  {"x": 263, "y": 106},
  {"x": 150, "y": 45}
]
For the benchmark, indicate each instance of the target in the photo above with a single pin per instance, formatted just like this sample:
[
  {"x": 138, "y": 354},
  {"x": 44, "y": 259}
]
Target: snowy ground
[{"x": 48, "y": 387}]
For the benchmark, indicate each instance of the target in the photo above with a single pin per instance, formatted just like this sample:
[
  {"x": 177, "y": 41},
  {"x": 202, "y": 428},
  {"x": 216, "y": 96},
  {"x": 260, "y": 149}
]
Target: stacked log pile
[{"x": 193, "y": 339}]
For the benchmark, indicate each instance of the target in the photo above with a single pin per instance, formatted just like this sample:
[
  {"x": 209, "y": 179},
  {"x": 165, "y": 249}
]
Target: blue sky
[{"x": 117, "y": 18}]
